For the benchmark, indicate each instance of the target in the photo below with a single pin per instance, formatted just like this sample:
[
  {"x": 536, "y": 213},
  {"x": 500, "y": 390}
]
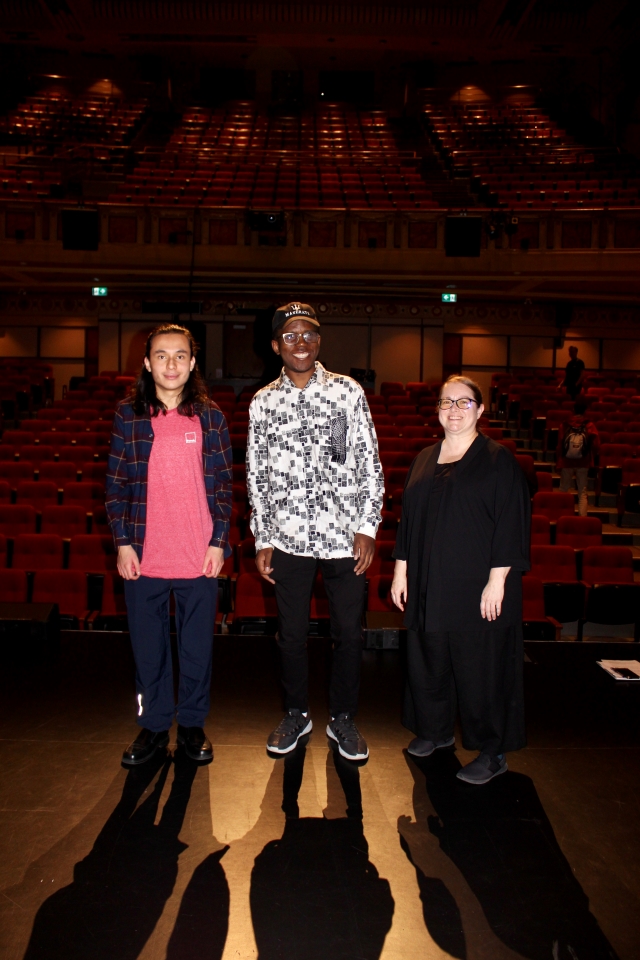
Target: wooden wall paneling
[
  {"x": 173, "y": 230},
  {"x": 372, "y": 233},
  {"x": 323, "y": 233},
  {"x": 123, "y": 229},
  {"x": 423, "y": 234},
  {"x": 20, "y": 225},
  {"x": 223, "y": 232},
  {"x": 576, "y": 234}
]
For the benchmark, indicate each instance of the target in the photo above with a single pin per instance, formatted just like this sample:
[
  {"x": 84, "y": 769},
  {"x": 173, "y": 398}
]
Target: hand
[
  {"x": 263, "y": 563},
  {"x": 128, "y": 563},
  {"x": 213, "y": 561},
  {"x": 364, "y": 548},
  {"x": 399, "y": 585},
  {"x": 493, "y": 593}
]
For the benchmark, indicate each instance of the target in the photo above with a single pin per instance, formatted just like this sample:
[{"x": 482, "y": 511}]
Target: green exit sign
[
  {"x": 99, "y": 291},
  {"x": 449, "y": 297}
]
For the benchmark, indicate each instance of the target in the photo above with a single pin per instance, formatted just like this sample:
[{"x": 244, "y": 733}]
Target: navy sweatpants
[{"x": 148, "y": 614}]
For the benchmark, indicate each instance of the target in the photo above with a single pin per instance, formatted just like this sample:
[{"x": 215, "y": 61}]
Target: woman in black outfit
[{"x": 463, "y": 543}]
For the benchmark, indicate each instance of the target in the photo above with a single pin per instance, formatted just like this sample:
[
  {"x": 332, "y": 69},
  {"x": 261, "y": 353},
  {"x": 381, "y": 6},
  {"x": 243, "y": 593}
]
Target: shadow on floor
[
  {"x": 314, "y": 892},
  {"x": 502, "y": 843},
  {"x": 120, "y": 888}
]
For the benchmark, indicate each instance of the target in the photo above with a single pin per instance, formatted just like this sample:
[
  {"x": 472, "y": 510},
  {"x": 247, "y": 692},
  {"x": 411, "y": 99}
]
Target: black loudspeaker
[
  {"x": 564, "y": 314},
  {"x": 29, "y": 632},
  {"x": 462, "y": 236},
  {"x": 80, "y": 229}
]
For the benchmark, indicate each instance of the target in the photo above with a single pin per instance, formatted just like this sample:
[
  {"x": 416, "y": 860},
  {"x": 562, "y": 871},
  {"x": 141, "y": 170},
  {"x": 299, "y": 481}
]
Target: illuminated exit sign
[
  {"x": 99, "y": 291},
  {"x": 449, "y": 297}
]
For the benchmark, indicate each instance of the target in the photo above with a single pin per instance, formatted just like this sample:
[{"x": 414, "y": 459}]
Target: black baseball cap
[{"x": 293, "y": 311}]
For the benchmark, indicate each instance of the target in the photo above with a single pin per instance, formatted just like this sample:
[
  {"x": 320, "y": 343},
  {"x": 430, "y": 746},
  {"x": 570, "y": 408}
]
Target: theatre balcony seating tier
[
  {"x": 518, "y": 158},
  {"x": 239, "y": 155}
]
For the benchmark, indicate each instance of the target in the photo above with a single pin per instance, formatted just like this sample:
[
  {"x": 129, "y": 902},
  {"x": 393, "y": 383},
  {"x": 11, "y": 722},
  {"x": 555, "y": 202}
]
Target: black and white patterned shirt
[{"x": 313, "y": 470}]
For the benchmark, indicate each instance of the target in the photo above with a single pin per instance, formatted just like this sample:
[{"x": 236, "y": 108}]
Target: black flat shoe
[
  {"x": 196, "y": 744},
  {"x": 144, "y": 746}
]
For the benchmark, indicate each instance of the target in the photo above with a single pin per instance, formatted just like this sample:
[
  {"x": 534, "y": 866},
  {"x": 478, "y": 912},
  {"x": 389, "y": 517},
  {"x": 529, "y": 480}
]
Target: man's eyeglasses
[
  {"x": 463, "y": 403},
  {"x": 309, "y": 336}
]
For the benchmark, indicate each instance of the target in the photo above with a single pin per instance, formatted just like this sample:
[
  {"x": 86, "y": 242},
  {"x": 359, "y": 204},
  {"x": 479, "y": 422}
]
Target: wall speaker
[
  {"x": 80, "y": 230},
  {"x": 462, "y": 236}
]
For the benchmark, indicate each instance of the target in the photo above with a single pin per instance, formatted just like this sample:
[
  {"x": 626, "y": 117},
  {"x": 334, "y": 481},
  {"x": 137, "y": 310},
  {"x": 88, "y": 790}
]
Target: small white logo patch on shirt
[{"x": 190, "y": 437}]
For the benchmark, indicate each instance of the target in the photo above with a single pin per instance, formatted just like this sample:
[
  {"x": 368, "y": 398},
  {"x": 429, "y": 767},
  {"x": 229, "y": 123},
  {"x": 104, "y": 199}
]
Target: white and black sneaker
[
  {"x": 285, "y": 737},
  {"x": 351, "y": 744}
]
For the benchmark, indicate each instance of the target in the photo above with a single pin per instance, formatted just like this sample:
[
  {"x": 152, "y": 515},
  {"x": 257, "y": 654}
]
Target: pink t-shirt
[{"x": 179, "y": 523}]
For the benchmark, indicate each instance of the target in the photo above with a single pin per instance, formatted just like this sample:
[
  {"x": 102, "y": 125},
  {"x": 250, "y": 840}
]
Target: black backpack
[{"x": 577, "y": 442}]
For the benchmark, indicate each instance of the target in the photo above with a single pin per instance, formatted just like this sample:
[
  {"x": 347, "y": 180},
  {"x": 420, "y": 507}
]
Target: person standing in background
[
  {"x": 316, "y": 490},
  {"x": 574, "y": 374},
  {"x": 169, "y": 504},
  {"x": 577, "y": 450}
]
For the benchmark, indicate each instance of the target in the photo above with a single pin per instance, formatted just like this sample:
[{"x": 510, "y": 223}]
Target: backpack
[{"x": 577, "y": 442}]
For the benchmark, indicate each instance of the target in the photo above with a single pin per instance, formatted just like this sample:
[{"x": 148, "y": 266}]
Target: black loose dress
[{"x": 458, "y": 521}]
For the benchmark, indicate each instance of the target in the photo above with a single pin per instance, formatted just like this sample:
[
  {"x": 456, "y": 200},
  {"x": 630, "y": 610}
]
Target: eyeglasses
[
  {"x": 309, "y": 336},
  {"x": 463, "y": 403}
]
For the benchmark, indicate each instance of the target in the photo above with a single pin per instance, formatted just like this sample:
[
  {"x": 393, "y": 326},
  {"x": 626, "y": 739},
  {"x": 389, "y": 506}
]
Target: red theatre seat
[
  {"x": 379, "y": 595},
  {"x": 13, "y": 586},
  {"x": 579, "y": 532},
  {"x": 37, "y": 551},
  {"x": 67, "y": 588},
  {"x": 613, "y": 597},
  {"x": 93, "y": 553},
  {"x": 16, "y": 519},
  {"x": 254, "y": 601},
  {"x": 564, "y": 594},
  {"x": 540, "y": 530},
  {"x": 65, "y": 521},
  {"x": 554, "y": 505},
  {"x": 536, "y": 624}
]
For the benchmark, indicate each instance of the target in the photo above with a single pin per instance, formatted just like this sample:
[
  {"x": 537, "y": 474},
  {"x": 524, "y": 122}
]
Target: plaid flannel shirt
[{"x": 127, "y": 471}]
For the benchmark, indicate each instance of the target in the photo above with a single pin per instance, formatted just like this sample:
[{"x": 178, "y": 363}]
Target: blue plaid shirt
[{"x": 127, "y": 471}]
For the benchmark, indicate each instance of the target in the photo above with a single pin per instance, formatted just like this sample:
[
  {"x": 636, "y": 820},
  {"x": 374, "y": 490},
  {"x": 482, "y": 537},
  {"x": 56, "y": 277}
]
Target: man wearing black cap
[{"x": 316, "y": 490}]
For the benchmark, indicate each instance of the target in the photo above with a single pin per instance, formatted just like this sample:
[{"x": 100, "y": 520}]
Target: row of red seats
[
  {"x": 69, "y": 590},
  {"x": 93, "y": 553},
  {"x": 34, "y": 497},
  {"x": 65, "y": 521}
]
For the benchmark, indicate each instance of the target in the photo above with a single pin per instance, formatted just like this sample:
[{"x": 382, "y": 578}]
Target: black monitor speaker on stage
[
  {"x": 462, "y": 236},
  {"x": 80, "y": 229}
]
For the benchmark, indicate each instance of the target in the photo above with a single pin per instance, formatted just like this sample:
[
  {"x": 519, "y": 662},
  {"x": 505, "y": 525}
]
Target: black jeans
[
  {"x": 148, "y": 614},
  {"x": 479, "y": 672},
  {"x": 294, "y": 578}
]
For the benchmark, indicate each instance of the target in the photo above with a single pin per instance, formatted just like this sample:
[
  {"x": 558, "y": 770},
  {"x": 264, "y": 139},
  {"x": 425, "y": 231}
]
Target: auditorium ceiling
[{"x": 475, "y": 28}]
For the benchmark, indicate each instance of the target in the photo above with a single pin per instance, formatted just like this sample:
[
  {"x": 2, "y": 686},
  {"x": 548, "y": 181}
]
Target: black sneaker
[
  {"x": 424, "y": 748},
  {"x": 351, "y": 744},
  {"x": 483, "y": 769},
  {"x": 284, "y": 738}
]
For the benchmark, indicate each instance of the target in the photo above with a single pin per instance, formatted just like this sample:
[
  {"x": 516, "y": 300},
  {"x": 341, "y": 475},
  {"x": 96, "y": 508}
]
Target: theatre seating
[
  {"x": 554, "y": 505},
  {"x": 92, "y": 553},
  {"x": 613, "y": 597},
  {"x": 13, "y": 586},
  {"x": 379, "y": 595},
  {"x": 540, "y": 530},
  {"x": 64, "y": 520},
  {"x": 16, "y": 519},
  {"x": 255, "y": 603},
  {"x": 564, "y": 593},
  {"x": 37, "y": 551},
  {"x": 536, "y": 625},
  {"x": 628, "y": 499},
  {"x": 67, "y": 588},
  {"x": 579, "y": 532}
]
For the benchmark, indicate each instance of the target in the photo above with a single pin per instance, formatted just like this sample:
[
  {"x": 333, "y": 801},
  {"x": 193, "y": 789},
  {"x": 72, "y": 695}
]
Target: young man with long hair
[
  {"x": 316, "y": 489},
  {"x": 169, "y": 505}
]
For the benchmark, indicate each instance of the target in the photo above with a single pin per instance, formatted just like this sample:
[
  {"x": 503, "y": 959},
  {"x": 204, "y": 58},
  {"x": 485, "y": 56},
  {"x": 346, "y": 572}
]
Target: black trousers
[
  {"x": 477, "y": 672},
  {"x": 148, "y": 614},
  {"x": 294, "y": 577}
]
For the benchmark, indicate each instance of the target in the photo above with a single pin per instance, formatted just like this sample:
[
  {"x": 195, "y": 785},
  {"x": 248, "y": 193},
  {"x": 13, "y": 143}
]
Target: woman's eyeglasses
[
  {"x": 309, "y": 336},
  {"x": 463, "y": 403}
]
